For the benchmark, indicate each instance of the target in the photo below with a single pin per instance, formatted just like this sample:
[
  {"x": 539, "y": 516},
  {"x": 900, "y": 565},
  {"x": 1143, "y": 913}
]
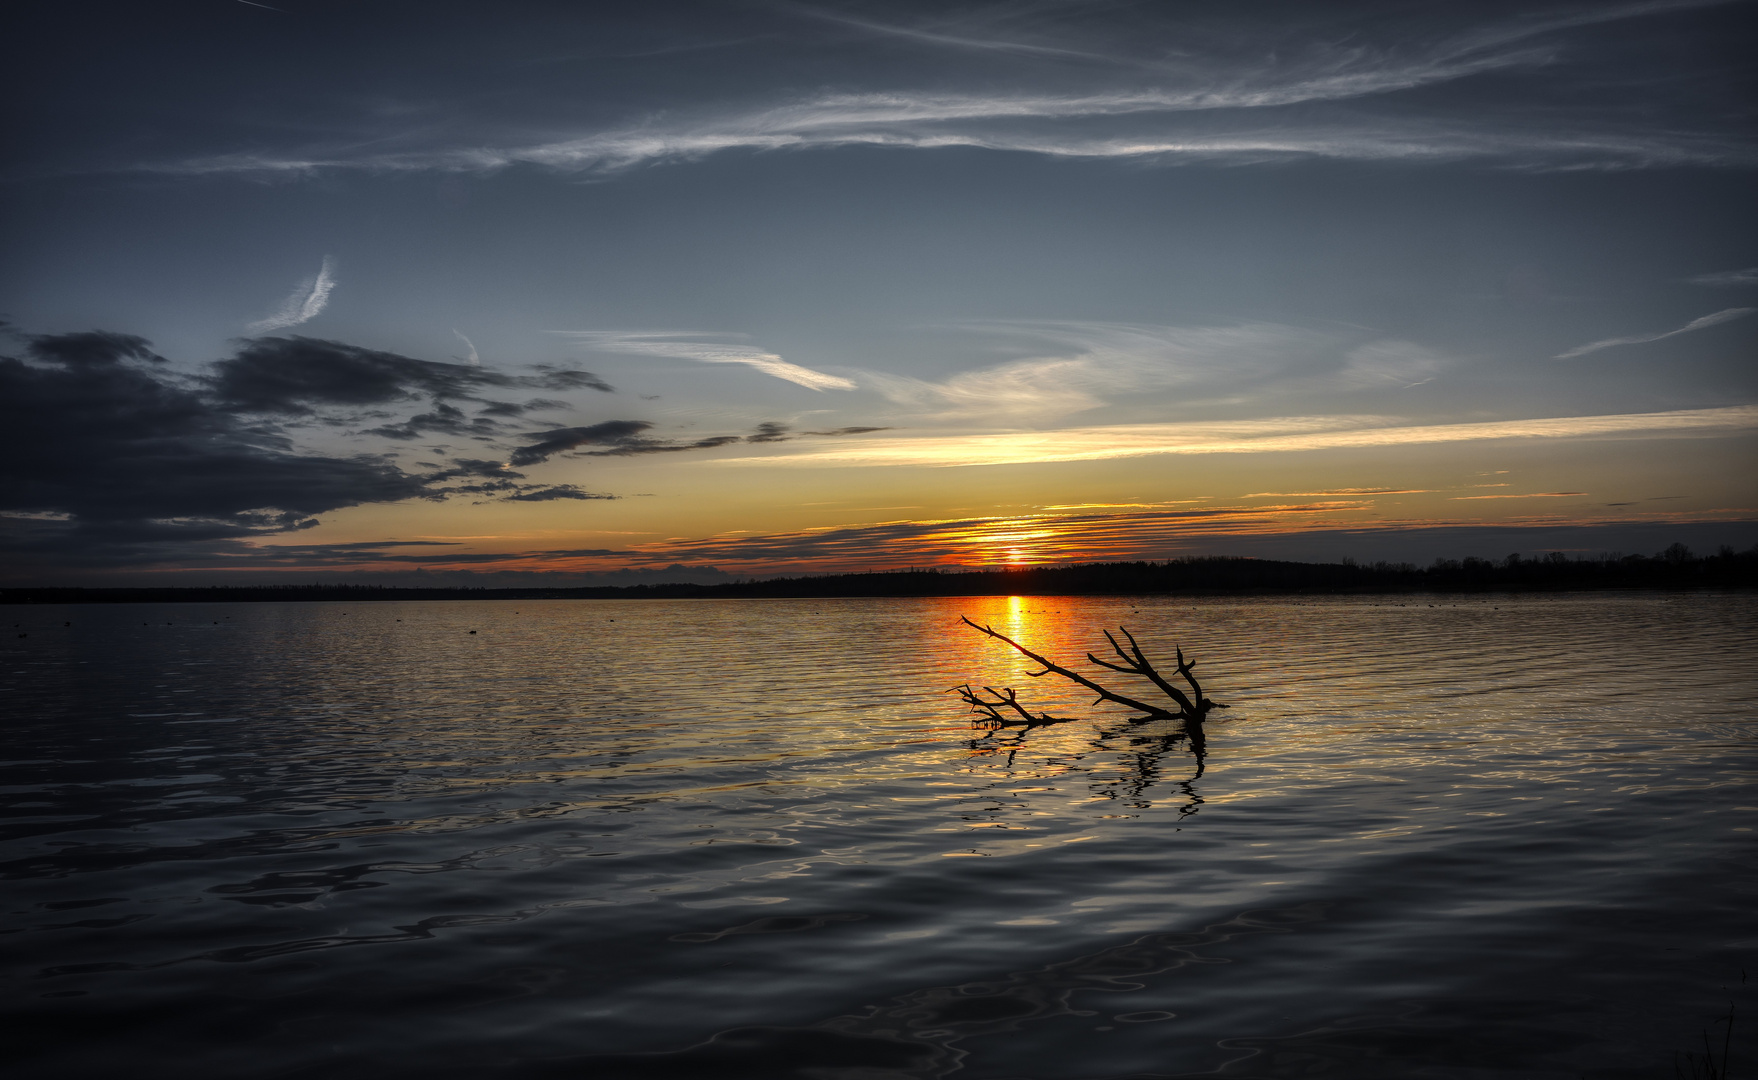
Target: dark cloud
[
  {"x": 623, "y": 438},
  {"x": 107, "y": 456},
  {"x": 93, "y": 349},
  {"x": 444, "y": 419},
  {"x": 292, "y": 375},
  {"x": 509, "y": 408},
  {"x": 360, "y": 545},
  {"x": 110, "y": 457},
  {"x": 631, "y": 447},
  {"x": 769, "y": 432},
  {"x": 557, "y": 378},
  {"x": 104, "y": 451},
  {"x": 848, "y": 431},
  {"x": 500, "y": 481},
  {"x": 559, "y": 491},
  {"x": 546, "y": 444},
  {"x": 472, "y": 467}
]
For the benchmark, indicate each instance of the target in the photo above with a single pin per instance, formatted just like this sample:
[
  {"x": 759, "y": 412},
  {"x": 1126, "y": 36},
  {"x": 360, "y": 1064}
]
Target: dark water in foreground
[{"x": 1507, "y": 838}]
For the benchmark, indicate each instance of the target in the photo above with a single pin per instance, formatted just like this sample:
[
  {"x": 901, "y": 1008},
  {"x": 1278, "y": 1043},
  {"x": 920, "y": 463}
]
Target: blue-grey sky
[{"x": 556, "y": 288}]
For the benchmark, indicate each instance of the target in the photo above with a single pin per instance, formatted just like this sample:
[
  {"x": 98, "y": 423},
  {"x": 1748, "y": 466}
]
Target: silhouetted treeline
[{"x": 1675, "y": 568}]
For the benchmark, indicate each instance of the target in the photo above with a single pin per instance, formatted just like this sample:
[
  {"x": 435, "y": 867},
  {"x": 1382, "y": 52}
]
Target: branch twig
[{"x": 1192, "y": 706}]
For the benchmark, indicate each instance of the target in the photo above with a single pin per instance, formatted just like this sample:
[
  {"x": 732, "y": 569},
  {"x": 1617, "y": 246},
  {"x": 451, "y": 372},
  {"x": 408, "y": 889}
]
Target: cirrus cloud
[
  {"x": 1716, "y": 319},
  {"x": 305, "y": 303},
  {"x": 688, "y": 345}
]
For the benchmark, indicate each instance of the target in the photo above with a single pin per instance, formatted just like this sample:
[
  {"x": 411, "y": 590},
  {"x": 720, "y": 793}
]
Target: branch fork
[{"x": 1001, "y": 707}]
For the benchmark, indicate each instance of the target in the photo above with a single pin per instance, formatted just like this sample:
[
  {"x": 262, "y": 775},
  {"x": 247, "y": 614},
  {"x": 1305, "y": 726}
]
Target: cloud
[
  {"x": 509, "y": 408},
  {"x": 677, "y": 345},
  {"x": 292, "y": 375},
  {"x": 1748, "y": 276},
  {"x": 1533, "y": 495},
  {"x": 1172, "y": 88},
  {"x": 1274, "y": 435},
  {"x": 444, "y": 419},
  {"x": 1060, "y": 128},
  {"x": 1391, "y": 364},
  {"x": 1718, "y": 317},
  {"x": 130, "y": 459},
  {"x": 559, "y": 491},
  {"x": 625, "y": 438},
  {"x": 1333, "y": 491},
  {"x": 474, "y": 359},
  {"x": 1149, "y": 533},
  {"x": 304, "y": 304},
  {"x": 1075, "y": 366},
  {"x": 547, "y": 444},
  {"x": 847, "y": 431},
  {"x": 108, "y": 456}
]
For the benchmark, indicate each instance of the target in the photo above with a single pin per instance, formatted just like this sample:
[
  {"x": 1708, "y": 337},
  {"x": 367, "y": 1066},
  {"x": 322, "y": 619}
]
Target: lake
[{"x": 1433, "y": 836}]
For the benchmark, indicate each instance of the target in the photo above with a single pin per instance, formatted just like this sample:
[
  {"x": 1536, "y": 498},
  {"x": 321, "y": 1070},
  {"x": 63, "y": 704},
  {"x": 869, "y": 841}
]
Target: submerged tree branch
[
  {"x": 1005, "y": 698},
  {"x": 1191, "y": 707}
]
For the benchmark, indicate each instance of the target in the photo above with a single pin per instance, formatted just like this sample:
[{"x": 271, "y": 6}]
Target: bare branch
[
  {"x": 1135, "y": 663},
  {"x": 1005, "y": 698},
  {"x": 1192, "y": 706},
  {"x": 1072, "y": 676}
]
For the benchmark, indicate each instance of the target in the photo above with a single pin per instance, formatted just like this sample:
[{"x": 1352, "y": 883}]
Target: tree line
[{"x": 1677, "y": 567}]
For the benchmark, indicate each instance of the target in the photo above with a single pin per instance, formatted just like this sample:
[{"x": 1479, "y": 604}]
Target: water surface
[{"x": 1433, "y": 837}]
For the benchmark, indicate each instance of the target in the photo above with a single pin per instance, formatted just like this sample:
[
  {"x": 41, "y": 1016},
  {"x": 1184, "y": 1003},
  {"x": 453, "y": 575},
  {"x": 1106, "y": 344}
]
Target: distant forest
[{"x": 1675, "y": 568}]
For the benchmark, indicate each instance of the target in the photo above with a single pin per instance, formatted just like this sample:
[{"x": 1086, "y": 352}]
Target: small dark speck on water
[{"x": 473, "y": 631}]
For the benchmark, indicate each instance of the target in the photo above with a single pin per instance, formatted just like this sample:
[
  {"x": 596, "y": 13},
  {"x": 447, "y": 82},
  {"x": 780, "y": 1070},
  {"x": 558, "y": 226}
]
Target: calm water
[{"x": 1493, "y": 837}]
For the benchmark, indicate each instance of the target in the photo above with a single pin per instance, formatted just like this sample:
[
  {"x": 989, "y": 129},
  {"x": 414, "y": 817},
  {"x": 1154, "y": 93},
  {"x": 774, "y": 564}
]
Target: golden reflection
[{"x": 1131, "y": 750}]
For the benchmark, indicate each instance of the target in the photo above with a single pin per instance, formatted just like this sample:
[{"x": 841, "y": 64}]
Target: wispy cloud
[
  {"x": 996, "y": 29},
  {"x": 1081, "y": 537},
  {"x": 1706, "y": 321},
  {"x": 474, "y": 358},
  {"x": 1073, "y": 366},
  {"x": 1061, "y": 127},
  {"x": 1277, "y": 435},
  {"x": 304, "y": 304},
  {"x": 689, "y": 345},
  {"x": 627, "y": 438},
  {"x": 1237, "y": 100},
  {"x": 1335, "y": 491},
  {"x": 1748, "y": 276},
  {"x": 1532, "y": 495},
  {"x": 1391, "y": 364}
]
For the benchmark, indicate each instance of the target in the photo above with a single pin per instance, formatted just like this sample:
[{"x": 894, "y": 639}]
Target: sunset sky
[{"x": 392, "y": 291}]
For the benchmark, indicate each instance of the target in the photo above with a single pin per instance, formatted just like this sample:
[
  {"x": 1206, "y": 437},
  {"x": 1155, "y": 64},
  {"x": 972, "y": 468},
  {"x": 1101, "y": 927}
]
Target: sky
[{"x": 527, "y": 293}]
